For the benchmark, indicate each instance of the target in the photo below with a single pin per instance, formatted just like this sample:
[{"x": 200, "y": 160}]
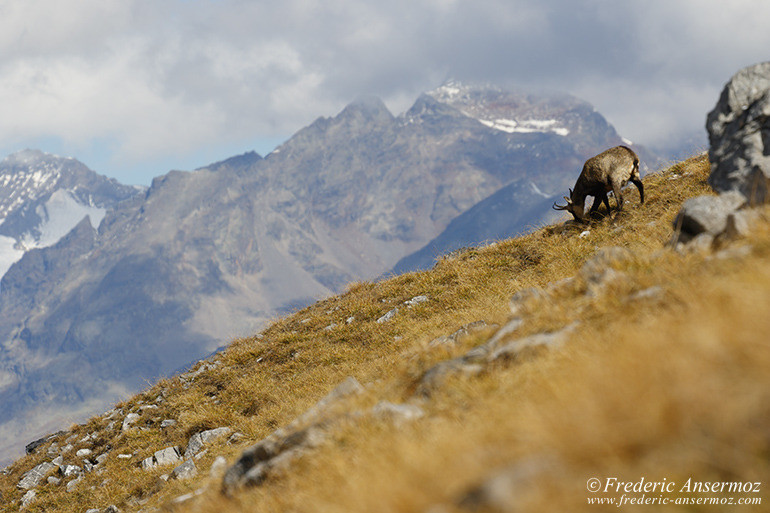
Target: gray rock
[
  {"x": 186, "y": 470},
  {"x": 70, "y": 470},
  {"x": 517, "y": 348},
  {"x": 199, "y": 440},
  {"x": 54, "y": 481},
  {"x": 286, "y": 444},
  {"x": 72, "y": 485},
  {"x": 28, "y": 498},
  {"x": 218, "y": 467},
  {"x": 148, "y": 463},
  {"x": 706, "y": 214},
  {"x": 167, "y": 456},
  {"x": 416, "y": 301},
  {"x": 506, "y": 489},
  {"x": 130, "y": 420},
  {"x": 58, "y": 461},
  {"x": 609, "y": 257},
  {"x": 397, "y": 413},
  {"x": 739, "y": 135},
  {"x": 94, "y": 510},
  {"x": 739, "y": 224},
  {"x": 388, "y": 316},
  {"x": 168, "y": 423},
  {"x": 524, "y": 296},
  {"x": 82, "y": 453},
  {"x": 35, "y": 476}
]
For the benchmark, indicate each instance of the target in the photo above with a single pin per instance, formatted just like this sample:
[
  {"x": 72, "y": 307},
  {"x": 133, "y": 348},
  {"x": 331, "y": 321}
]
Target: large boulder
[{"x": 739, "y": 135}]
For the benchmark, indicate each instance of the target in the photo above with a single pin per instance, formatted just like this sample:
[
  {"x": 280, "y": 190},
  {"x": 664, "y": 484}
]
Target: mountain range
[{"x": 117, "y": 286}]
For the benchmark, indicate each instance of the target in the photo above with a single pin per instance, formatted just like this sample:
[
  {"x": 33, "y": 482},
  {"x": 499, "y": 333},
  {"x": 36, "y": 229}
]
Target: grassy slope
[{"x": 672, "y": 386}]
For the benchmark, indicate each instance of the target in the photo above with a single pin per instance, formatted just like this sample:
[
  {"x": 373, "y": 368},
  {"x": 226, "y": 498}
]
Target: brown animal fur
[{"x": 607, "y": 171}]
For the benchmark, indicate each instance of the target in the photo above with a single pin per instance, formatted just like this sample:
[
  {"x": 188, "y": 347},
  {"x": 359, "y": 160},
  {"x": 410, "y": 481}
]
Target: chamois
[{"x": 607, "y": 171}]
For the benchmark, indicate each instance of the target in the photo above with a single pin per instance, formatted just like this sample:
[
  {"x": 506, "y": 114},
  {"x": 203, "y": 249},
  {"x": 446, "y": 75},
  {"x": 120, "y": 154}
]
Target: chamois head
[{"x": 573, "y": 208}]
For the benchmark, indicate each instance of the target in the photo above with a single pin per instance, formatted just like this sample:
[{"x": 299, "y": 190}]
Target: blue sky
[{"x": 134, "y": 88}]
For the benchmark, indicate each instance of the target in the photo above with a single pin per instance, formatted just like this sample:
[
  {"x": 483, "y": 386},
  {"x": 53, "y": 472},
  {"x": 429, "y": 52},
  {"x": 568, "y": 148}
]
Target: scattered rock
[
  {"x": 739, "y": 135},
  {"x": 186, "y": 470},
  {"x": 32, "y": 446},
  {"x": 651, "y": 293},
  {"x": 218, "y": 467},
  {"x": 168, "y": 423},
  {"x": 28, "y": 498},
  {"x": 167, "y": 456},
  {"x": 54, "y": 481},
  {"x": 388, "y": 316},
  {"x": 70, "y": 470},
  {"x": 706, "y": 214},
  {"x": 416, "y": 301},
  {"x": 507, "y": 490},
  {"x": 130, "y": 419},
  {"x": 58, "y": 461},
  {"x": 72, "y": 485},
  {"x": 517, "y": 348},
  {"x": 199, "y": 440},
  {"x": 397, "y": 413},
  {"x": 82, "y": 453},
  {"x": 739, "y": 224},
  {"x": 522, "y": 299},
  {"x": 35, "y": 476},
  {"x": 286, "y": 444},
  {"x": 457, "y": 336}
]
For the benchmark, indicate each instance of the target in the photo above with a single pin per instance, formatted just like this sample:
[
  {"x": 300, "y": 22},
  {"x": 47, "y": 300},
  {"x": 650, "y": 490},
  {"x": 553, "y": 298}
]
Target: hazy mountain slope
[
  {"x": 207, "y": 255},
  {"x": 513, "y": 210}
]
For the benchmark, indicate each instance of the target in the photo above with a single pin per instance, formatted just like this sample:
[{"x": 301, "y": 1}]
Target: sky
[{"x": 135, "y": 88}]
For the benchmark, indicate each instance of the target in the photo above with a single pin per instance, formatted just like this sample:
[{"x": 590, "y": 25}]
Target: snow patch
[
  {"x": 60, "y": 214},
  {"x": 9, "y": 253},
  {"x": 537, "y": 190},
  {"x": 526, "y": 126}
]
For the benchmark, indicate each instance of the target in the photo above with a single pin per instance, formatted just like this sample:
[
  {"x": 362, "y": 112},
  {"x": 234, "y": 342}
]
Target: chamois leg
[
  {"x": 639, "y": 186},
  {"x": 618, "y": 194}
]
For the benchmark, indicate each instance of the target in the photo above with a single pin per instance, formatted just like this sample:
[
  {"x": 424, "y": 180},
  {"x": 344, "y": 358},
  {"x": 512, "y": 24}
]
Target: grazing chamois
[{"x": 608, "y": 171}]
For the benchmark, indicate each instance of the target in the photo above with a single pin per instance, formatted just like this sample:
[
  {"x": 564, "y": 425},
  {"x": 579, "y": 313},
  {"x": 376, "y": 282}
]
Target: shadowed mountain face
[{"x": 204, "y": 256}]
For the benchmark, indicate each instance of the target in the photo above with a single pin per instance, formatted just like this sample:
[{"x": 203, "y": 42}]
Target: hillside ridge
[{"x": 456, "y": 388}]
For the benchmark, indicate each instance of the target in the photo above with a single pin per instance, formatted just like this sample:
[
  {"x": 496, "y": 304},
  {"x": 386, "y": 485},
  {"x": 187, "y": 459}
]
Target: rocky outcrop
[
  {"x": 739, "y": 153},
  {"x": 739, "y": 135}
]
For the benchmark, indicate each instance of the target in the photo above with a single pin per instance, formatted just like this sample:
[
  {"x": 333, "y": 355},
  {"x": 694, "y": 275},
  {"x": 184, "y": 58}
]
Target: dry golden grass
[{"x": 672, "y": 386}]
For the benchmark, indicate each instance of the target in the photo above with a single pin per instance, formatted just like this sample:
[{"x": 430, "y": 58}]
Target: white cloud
[{"x": 164, "y": 78}]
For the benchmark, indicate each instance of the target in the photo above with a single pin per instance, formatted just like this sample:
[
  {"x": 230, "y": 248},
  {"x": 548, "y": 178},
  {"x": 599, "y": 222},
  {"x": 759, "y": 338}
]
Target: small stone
[
  {"x": 167, "y": 456},
  {"x": 168, "y": 423},
  {"x": 82, "y": 453},
  {"x": 397, "y": 413},
  {"x": 416, "y": 301},
  {"x": 54, "y": 481},
  {"x": 388, "y": 316},
  {"x": 130, "y": 419},
  {"x": 125, "y": 456},
  {"x": 199, "y": 440},
  {"x": 186, "y": 470},
  {"x": 72, "y": 485},
  {"x": 70, "y": 470},
  {"x": 350, "y": 320},
  {"x": 93, "y": 510},
  {"x": 218, "y": 467},
  {"x": 148, "y": 463},
  {"x": 584, "y": 234},
  {"x": 58, "y": 461},
  {"x": 28, "y": 498}
]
